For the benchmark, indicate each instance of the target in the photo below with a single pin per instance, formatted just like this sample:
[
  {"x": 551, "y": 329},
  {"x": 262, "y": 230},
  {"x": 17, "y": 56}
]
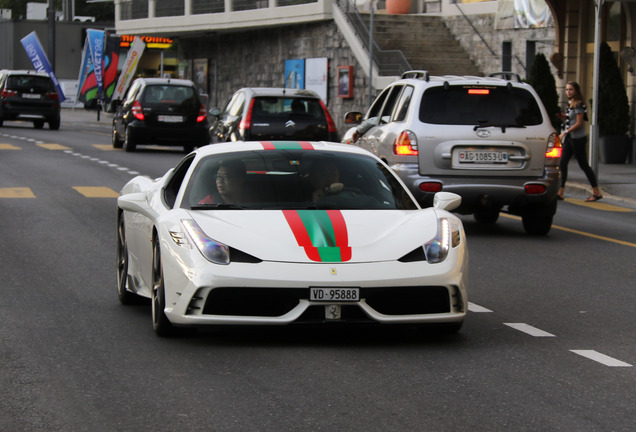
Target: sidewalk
[{"x": 617, "y": 181}]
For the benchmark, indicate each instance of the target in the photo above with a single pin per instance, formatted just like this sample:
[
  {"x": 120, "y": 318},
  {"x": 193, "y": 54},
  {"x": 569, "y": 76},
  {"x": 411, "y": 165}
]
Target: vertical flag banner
[
  {"x": 96, "y": 45},
  {"x": 85, "y": 68},
  {"x": 130, "y": 67},
  {"x": 111, "y": 62},
  {"x": 36, "y": 54}
]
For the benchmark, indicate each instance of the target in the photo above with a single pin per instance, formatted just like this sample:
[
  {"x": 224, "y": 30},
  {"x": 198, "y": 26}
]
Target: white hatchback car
[{"x": 487, "y": 139}]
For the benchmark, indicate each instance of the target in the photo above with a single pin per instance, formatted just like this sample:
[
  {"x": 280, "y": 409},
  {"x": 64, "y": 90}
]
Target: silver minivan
[{"x": 487, "y": 139}]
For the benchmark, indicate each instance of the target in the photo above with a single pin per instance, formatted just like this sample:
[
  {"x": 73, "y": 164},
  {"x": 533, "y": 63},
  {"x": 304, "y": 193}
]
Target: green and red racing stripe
[
  {"x": 322, "y": 233},
  {"x": 287, "y": 145}
]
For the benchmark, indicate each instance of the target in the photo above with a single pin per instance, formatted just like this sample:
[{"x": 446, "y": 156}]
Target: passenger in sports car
[
  {"x": 230, "y": 178},
  {"x": 325, "y": 179}
]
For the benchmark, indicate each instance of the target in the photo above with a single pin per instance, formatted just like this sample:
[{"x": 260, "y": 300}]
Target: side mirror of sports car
[
  {"x": 446, "y": 201},
  {"x": 136, "y": 203}
]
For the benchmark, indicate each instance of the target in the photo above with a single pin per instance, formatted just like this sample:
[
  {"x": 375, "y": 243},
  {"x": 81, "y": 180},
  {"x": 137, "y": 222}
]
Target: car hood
[{"x": 306, "y": 236}]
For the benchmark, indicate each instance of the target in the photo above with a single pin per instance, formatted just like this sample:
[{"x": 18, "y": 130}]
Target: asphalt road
[{"x": 548, "y": 344}]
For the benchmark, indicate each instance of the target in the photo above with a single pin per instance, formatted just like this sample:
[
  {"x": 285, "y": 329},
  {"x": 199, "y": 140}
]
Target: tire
[
  {"x": 129, "y": 142},
  {"x": 125, "y": 296},
  {"x": 160, "y": 323},
  {"x": 38, "y": 124},
  {"x": 538, "y": 220},
  {"x": 117, "y": 143},
  {"x": 486, "y": 215},
  {"x": 54, "y": 123}
]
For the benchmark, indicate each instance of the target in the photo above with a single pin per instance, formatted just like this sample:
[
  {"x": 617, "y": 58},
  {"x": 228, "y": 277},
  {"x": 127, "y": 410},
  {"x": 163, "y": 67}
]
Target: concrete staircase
[{"x": 425, "y": 41}]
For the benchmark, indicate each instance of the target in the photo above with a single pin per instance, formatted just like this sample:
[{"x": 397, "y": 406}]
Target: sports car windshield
[{"x": 293, "y": 179}]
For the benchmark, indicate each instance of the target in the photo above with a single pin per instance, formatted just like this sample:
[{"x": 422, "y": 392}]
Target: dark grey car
[
  {"x": 31, "y": 96},
  {"x": 273, "y": 114},
  {"x": 487, "y": 139}
]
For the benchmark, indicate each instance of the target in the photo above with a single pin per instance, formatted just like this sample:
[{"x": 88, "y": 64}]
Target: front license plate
[
  {"x": 170, "y": 118},
  {"x": 334, "y": 294},
  {"x": 466, "y": 156}
]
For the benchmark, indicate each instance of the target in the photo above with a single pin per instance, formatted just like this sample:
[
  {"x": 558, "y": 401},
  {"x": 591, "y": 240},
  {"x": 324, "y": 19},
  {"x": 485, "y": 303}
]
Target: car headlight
[
  {"x": 448, "y": 236},
  {"x": 212, "y": 250}
]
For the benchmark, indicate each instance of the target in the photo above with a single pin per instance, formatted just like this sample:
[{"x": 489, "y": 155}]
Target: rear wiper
[
  {"x": 217, "y": 206},
  {"x": 502, "y": 126}
]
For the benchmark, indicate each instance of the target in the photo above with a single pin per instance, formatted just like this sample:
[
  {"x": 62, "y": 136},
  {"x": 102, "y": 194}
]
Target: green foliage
[
  {"x": 101, "y": 11},
  {"x": 613, "y": 105},
  {"x": 540, "y": 77}
]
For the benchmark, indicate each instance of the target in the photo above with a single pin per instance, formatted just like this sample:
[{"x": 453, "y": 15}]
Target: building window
[
  {"x": 207, "y": 6},
  {"x": 506, "y": 56},
  {"x": 165, "y": 8},
  {"x": 294, "y": 2},
  {"x": 133, "y": 9}
]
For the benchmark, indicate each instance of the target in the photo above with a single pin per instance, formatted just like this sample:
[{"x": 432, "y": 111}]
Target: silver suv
[{"x": 488, "y": 139}]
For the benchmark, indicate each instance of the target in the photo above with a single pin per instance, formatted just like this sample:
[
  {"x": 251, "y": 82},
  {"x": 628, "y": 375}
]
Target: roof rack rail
[
  {"x": 417, "y": 74},
  {"x": 508, "y": 76}
]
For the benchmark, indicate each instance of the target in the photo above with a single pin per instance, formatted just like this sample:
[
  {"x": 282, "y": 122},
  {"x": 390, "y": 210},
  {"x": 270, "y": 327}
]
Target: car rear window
[
  {"x": 30, "y": 83},
  {"x": 270, "y": 108},
  {"x": 169, "y": 94},
  {"x": 480, "y": 105}
]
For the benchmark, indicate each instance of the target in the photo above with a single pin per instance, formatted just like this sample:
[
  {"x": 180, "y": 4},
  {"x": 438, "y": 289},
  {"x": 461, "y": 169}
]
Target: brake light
[
  {"x": 53, "y": 96},
  {"x": 246, "y": 122},
  {"x": 554, "y": 150},
  {"x": 137, "y": 111},
  {"x": 478, "y": 91},
  {"x": 8, "y": 93},
  {"x": 430, "y": 187},
  {"x": 331, "y": 126},
  {"x": 203, "y": 114},
  {"x": 534, "y": 189},
  {"x": 405, "y": 144}
]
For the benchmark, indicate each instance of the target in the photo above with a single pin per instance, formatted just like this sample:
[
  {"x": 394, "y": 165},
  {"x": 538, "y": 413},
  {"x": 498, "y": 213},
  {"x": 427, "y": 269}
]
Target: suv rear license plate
[
  {"x": 170, "y": 118},
  {"x": 483, "y": 157},
  {"x": 334, "y": 294},
  {"x": 31, "y": 96}
]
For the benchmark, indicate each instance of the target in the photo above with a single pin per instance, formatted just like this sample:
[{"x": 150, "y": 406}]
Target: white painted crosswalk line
[
  {"x": 528, "y": 329},
  {"x": 601, "y": 358}
]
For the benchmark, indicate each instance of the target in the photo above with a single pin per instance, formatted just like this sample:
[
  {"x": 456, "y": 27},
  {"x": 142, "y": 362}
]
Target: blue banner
[
  {"x": 36, "y": 54},
  {"x": 96, "y": 44}
]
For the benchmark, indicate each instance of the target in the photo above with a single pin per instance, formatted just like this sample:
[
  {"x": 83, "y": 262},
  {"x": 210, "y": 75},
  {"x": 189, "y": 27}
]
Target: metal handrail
[{"x": 388, "y": 62}]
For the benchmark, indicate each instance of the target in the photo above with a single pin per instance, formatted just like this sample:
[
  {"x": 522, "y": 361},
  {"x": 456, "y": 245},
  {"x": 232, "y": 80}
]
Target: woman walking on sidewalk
[{"x": 574, "y": 139}]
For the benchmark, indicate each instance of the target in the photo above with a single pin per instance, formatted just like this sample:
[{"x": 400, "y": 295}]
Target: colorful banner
[
  {"x": 36, "y": 54},
  {"x": 88, "y": 90},
  {"x": 96, "y": 46},
  {"x": 130, "y": 67}
]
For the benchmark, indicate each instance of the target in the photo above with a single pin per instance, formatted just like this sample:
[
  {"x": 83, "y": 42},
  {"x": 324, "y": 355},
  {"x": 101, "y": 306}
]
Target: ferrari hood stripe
[
  {"x": 287, "y": 145},
  {"x": 322, "y": 233}
]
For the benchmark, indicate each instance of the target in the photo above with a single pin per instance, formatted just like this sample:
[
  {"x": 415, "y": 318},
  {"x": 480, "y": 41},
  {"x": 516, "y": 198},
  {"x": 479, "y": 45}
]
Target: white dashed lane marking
[
  {"x": 528, "y": 329},
  {"x": 477, "y": 309},
  {"x": 601, "y": 358}
]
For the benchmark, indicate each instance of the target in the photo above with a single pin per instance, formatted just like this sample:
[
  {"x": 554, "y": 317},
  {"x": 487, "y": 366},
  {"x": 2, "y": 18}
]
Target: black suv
[
  {"x": 161, "y": 111},
  {"x": 31, "y": 96},
  {"x": 273, "y": 114}
]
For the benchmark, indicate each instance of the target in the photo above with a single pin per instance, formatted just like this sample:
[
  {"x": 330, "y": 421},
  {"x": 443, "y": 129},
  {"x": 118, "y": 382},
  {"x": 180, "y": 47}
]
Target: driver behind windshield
[{"x": 230, "y": 179}]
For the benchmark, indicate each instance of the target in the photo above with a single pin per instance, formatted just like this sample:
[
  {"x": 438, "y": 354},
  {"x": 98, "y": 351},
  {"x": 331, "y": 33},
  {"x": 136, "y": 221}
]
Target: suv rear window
[
  {"x": 24, "y": 83},
  {"x": 480, "y": 105},
  {"x": 270, "y": 108}
]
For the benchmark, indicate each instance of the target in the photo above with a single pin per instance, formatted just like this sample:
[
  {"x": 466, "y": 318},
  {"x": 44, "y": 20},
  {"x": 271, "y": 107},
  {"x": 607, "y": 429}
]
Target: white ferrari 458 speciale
[{"x": 253, "y": 233}]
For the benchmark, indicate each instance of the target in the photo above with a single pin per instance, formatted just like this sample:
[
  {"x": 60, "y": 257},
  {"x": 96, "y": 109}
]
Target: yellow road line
[
  {"x": 596, "y": 205},
  {"x": 9, "y": 147},
  {"x": 16, "y": 192},
  {"x": 53, "y": 146},
  {"x": 105, "y": 147},
  {"x": 96, "y": 192}
]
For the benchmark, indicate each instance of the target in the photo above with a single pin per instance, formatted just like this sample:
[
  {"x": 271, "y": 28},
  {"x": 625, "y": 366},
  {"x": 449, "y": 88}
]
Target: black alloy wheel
[
  {"x": 160, "y": 323},
  {"x": 125, "y": 296}
]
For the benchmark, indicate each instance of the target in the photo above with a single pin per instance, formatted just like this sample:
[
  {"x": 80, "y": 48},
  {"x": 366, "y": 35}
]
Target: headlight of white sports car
[
  {"x": 212, "y": 250},
  {"x": 437, "y": 249}
]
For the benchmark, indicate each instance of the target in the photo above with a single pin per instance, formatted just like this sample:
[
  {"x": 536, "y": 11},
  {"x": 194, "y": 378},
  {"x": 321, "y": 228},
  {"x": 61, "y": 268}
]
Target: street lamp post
[{"x": 594, "y": 138}]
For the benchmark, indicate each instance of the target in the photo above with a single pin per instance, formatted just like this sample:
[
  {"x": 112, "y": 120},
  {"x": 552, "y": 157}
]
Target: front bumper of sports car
[{"x": 278, "y": 293}]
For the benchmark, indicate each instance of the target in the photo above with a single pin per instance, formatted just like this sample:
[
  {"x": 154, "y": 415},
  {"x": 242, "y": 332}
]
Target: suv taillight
[
  {"x": 405, "y": 144},
  {"x": 8, "y": 93},
  {"x": 331, "y": 126},
  {"x": 246, "y": 121},
  {"x": 53, "y": 96},
  {"x": 137, "y": 111},
  {"x": 553, "y": 152},
  {"x": 203, "y": 114}
]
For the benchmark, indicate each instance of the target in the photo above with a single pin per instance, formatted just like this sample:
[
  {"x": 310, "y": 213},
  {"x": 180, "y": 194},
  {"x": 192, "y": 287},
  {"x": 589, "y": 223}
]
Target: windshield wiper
[
  {"x": 217, "y": 206},
  {"x": 502, "y": 126}
]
